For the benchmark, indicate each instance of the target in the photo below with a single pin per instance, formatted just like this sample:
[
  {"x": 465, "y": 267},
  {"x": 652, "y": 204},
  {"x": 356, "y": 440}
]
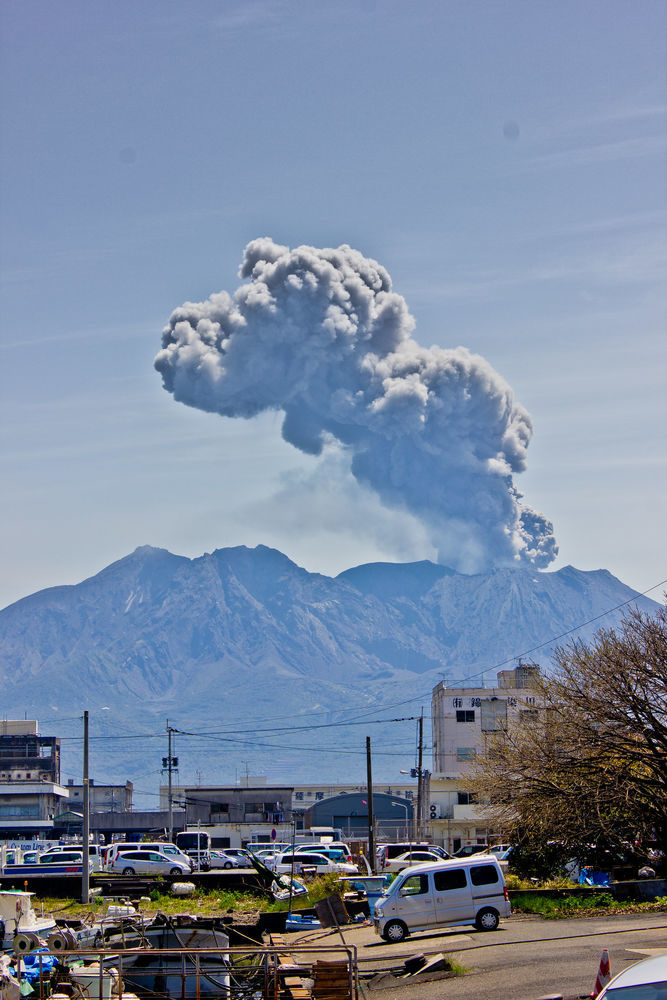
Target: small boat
[
  {"x": 301, "y": 922},
  {"x": 20, "y": 927}
]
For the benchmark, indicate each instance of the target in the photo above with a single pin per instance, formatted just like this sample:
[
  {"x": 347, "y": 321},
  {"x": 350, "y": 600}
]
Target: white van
[{"x": 443, "y": 894}]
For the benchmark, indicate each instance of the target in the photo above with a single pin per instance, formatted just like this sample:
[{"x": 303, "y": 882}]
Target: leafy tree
[{"x": 589, "y": 771}]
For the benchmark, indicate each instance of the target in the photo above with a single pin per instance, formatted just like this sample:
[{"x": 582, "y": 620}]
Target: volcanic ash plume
[{"x": 320, "y": 335}]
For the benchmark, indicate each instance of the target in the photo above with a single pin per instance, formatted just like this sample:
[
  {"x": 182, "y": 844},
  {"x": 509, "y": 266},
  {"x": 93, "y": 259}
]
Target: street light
[{"x": 403, "y": 805}]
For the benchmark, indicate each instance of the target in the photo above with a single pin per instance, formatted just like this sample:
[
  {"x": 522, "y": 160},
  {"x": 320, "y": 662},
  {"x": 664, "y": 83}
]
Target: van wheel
[
  {"x": 487, "y": 919},
  {"x": 395, "y": 931},
  {"x": 128, "y": 871}
]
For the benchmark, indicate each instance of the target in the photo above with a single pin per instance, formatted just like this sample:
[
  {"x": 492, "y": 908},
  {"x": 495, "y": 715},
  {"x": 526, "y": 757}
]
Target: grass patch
[
  {"x": 597, "y": 904},
  {"x": 200, "y": 903},
  {"x": 566, "y": 907},
  {"x": 212, "y": 903}
]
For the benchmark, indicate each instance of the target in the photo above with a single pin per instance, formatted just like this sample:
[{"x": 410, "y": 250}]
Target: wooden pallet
[
  {"x": 292, "y": 983},
  {"x": 331, "y": 981}
]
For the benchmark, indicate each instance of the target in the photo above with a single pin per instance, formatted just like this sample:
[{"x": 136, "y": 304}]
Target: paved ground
[{"x": 525, "y": 959}]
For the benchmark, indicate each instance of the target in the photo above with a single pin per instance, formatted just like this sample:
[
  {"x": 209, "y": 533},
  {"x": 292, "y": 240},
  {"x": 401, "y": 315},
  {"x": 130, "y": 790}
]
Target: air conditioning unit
[{"x": 434, "y": 810}]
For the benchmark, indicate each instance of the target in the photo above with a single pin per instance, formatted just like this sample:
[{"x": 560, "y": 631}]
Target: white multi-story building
[{"x": 463, "y": 720}]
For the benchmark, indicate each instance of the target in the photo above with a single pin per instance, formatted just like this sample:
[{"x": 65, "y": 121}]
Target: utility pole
[
  {"x": 371, "y": 817},
  {"x": 169, "y": 764},
  {"x": 420, "y": 781},
  {"x": 85, "y": 874}
]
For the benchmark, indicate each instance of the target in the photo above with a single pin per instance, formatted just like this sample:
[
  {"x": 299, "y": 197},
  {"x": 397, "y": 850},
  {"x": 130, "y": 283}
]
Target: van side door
[
  {"x": 413, "y": 902},
  {"x": 453, "y": 896}
]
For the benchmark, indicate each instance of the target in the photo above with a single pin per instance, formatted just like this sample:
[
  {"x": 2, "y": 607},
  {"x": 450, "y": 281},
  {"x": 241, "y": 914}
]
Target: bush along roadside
[{"x": 580, "y": 906}]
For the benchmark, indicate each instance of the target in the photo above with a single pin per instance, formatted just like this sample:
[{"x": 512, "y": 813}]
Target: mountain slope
[{"x": 240, "y": 635}]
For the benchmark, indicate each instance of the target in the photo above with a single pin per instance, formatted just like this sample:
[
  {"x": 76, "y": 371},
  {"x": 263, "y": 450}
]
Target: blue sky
[{"x": 505, "y": 161}]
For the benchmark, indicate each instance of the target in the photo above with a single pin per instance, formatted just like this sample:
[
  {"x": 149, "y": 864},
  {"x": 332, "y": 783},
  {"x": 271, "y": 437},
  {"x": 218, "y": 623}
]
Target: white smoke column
[{"x": 320, "y": 335}]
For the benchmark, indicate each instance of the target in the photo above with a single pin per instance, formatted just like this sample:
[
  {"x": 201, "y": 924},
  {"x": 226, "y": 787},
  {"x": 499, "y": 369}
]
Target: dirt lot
[{"x": 527, "y": 958}]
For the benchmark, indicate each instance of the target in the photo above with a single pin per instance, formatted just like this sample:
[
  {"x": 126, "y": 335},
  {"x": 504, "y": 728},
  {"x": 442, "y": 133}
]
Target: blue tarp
[{"x": 588, "y": 876}]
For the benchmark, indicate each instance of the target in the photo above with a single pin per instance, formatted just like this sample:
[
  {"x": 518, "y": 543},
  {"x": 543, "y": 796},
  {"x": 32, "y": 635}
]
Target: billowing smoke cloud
[{"x": 320, "y": 335}]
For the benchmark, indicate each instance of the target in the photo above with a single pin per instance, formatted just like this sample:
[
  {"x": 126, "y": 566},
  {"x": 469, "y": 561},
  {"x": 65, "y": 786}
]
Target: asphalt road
[{"x": 527, "y": 958}]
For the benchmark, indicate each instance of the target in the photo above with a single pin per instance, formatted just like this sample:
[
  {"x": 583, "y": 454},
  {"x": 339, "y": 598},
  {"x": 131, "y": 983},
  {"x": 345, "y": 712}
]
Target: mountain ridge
[{"x": 239, "y": 633}]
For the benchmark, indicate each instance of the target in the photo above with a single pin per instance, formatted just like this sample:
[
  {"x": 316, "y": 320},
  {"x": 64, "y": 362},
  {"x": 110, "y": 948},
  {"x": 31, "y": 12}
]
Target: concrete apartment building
[
  {"x": 30, "y": 791},
  {"x": 463, "y": 719}
]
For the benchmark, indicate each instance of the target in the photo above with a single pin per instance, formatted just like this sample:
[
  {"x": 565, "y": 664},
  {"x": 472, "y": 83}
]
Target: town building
[
  {"x": 463, "y": 721},
  {"x": 348, "y": 812},
  {"x": 305, "y": 796},
  {"x": 101, "y": 798},
  {"x": 31, "y": 795}
]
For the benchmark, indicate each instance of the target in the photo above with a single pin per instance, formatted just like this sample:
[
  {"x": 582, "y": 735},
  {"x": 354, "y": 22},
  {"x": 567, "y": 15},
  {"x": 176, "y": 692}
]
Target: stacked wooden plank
[
  {"x": 332, "y": 981},
  {"x": 292, "y": 983}
]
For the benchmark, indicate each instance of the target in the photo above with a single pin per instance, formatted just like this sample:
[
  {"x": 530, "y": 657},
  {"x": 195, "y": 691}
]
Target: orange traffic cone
[{"x": 604, "y": 974}]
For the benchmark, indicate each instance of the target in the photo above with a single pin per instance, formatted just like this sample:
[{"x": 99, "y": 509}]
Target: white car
[
  {"x": 645, "y": 980},
  {"x": 224, "y": 859},
  {"x": 147, "y": 863},
  {"x": 337, "y": 853},
  {"x": 240, "y": 853},
  {"x": 311, "y": 862},
  {"x": 410, "y": 858}
]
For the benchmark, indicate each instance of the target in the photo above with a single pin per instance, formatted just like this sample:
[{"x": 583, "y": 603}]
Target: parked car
[
  {"x": 274, "y": 846},
  {"x": 64, "y": 858},
  {"x": 645, "y": 980},
  {"x": 333, "y": 853},
  {"x": 148, "y": 863},
  {"x": 411, "y": 858},
  {"x": 500, "y": 850},
  {"x": 384, "y": 853},
  {"x": 468, "y": 850},
  {"x": 61, "y": 855},
  {"x": 224, "y": 859},
  {"x": 458, "y": 891},
  {"x": 238, "y": 852},
  {"x": 162, "y": 847},
  {"x": 332, "y": 845},
  {"x": 312, "y": 861},
  {"x": 267, "y": 857}
]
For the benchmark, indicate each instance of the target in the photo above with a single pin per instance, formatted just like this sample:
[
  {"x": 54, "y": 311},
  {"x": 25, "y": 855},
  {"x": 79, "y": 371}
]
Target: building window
[
  {"x": 319, "y": 796},
  {"x": 494, "y": 715},
  {"x": 23, "y": 811},
  {"x": 466, "y": 798},
  {"x": 298, "y": 796},
  {"x": 465, "y": 715},
  {"x": 465, "y": 753}
]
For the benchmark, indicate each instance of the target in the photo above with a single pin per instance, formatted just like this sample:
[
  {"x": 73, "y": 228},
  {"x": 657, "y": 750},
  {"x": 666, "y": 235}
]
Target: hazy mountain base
[{"x": 245, "y": 638}]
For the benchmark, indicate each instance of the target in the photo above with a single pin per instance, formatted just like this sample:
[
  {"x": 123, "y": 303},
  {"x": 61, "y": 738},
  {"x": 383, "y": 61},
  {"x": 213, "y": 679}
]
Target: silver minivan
[{"x": 443, "y": 894}]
